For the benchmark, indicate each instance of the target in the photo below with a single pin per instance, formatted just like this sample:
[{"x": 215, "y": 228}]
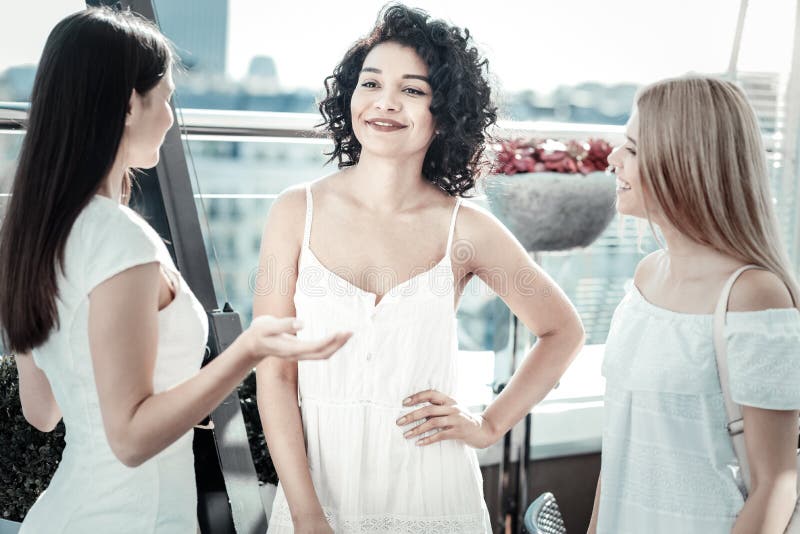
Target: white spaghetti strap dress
[{"x": 369, "y": 478}]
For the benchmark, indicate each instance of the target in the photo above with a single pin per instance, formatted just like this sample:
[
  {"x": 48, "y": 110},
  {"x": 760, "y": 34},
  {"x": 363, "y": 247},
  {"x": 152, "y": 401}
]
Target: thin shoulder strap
[
  {"x": 309, "y": 216},
  {"x": 452, "y": 227},
  {"x": 733, "y": 411}
]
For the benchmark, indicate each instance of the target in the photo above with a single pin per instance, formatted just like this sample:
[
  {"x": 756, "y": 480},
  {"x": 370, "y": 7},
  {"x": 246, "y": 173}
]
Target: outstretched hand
[
  {"x": 447, "y": 418},
  {"x": 270, "y": 336}
]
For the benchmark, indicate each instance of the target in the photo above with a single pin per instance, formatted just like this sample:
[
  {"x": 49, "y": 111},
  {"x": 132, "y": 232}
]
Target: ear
[{"x": 134, "y": 105}]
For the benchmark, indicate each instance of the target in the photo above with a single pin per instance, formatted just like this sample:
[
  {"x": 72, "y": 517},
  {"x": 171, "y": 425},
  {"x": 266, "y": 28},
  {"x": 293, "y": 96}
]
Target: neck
[
  {"x": 111, "y": 186},
  {"x": 388, "y": 184},
  {"x": 689, "y": 259}
]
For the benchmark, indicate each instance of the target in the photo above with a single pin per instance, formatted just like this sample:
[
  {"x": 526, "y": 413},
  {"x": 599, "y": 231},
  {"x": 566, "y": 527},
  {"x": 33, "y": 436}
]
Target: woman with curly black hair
[{"x": 376, "y": 442}]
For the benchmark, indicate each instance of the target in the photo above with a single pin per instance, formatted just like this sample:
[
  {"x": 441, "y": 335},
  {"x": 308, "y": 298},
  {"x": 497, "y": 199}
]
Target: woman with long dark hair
[
  {"x": 105, "y": 331},
  {"x": 385, "y": 247}
]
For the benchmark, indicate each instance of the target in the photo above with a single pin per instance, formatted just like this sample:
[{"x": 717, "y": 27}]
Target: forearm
[
  {"x": 595, "y": 510},
  {"x": 283, "y": 429},
  {"x": 162, "y": 418},
  {"x": 39, "y": 406},
  {"x": 535, "y": 378},
  {"x": 768, "y": 508}
]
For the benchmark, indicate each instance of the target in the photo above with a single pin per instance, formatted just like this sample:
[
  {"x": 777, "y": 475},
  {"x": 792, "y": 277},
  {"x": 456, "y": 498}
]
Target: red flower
[{"x": 541, "y": 155}]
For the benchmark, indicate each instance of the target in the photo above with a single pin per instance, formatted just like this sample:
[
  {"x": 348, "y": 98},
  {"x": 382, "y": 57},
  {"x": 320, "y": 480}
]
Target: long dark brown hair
[{"x": 91, "y": 63}]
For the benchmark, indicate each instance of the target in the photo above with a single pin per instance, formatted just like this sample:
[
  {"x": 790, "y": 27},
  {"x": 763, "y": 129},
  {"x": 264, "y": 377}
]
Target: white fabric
[
  {"x": 369, "y": 478},
  {"x": 668, "y": 464},
  {"x": 92, "y": 491}
]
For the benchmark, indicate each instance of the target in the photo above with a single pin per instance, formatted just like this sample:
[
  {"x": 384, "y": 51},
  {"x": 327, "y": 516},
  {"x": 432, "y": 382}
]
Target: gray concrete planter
[{"x": 552, "y": 211}]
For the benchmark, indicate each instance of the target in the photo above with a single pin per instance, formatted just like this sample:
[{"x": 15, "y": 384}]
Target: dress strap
[
  {"x": 309, "y": 216},
  {"x": 452, "y": 227}
]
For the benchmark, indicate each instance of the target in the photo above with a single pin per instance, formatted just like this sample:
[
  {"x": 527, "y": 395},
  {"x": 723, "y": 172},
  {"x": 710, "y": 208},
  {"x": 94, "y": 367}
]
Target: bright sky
[{"x": 531, "y": 44}]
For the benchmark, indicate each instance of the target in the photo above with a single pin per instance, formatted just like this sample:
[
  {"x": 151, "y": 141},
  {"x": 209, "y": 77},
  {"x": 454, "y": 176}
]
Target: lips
[
  {"x": 385, "y": 125},
  {"x": 622, "y": 185}
]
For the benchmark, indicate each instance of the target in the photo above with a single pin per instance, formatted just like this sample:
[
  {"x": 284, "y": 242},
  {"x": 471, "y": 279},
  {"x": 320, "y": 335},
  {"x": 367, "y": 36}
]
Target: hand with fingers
[
  {"x": 448, "y": 419},
  {"x": 271, "y": 336}
]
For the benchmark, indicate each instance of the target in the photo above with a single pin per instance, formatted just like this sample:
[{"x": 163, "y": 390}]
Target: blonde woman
[{"x": 694, "y": 166}]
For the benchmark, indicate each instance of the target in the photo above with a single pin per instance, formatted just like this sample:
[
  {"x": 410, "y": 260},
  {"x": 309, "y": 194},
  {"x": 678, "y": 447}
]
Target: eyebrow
[
  {"x": 405, "y": 76},
  {"x": 631, "y": 139}
]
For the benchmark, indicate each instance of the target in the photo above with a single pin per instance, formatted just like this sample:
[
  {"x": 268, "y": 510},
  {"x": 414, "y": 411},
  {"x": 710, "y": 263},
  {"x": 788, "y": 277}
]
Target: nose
[
  {"x": 613, "y": 158},
  {"x": 387, "y": 101}
]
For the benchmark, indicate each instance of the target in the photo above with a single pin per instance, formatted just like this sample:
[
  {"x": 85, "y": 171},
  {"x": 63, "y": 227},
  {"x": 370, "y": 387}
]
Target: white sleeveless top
[
  {"x": 92, "y": 491},
  {"x": 368, "y": 477}
]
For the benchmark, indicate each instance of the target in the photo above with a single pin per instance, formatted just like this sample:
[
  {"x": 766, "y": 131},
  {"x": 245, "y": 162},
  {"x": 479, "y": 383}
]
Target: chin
[
  {"x": 387, "y": 149},
  {"x": 624, "y": 208},
  {"x": 148, "y": 163}
]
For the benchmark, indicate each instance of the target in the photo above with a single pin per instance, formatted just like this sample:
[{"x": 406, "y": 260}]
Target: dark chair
[{"x": 544, "y": 517}]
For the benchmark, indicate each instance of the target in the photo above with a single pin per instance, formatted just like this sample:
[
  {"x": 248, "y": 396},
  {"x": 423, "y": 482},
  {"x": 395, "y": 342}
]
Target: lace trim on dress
[{"x": 380, "y": 524}]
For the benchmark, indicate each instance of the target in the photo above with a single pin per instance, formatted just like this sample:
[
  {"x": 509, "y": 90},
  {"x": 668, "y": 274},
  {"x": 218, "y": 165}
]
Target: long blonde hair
[{"x": 702, "y": 157}]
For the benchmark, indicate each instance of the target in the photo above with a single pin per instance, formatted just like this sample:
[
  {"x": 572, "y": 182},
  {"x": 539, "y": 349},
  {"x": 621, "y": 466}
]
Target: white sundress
[
  {"x": 92, "y": 491},
  {"x": 368, "y": 477},
  {"x": 668, "y": 464}
]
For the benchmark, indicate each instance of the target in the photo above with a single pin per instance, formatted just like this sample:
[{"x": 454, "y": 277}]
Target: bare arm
[
  {"x": 770, "y": 435},
  {"x": 771, "y": 441},
  {"x": 277, "y": 380},
  {"x": 38, "y": 404},
  {"x": 123, "y": 340},
  {"x": 501, "y": 262},
  {"x": 595, "y": 510},
  {"x": 541, "y": 306}
]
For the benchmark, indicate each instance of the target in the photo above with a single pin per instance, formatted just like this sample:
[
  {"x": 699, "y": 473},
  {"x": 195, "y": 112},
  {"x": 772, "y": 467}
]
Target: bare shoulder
[
  {"x": 476, "y": 222},
  {"x": 490, "y": 245},
  {"x": 757, "y": 289},
  {"x": 286, "y": 218},
  {"x": 335, "y": 184},
  {"x": 646, "y": 267},
  {"x": 290, "y": 200}
]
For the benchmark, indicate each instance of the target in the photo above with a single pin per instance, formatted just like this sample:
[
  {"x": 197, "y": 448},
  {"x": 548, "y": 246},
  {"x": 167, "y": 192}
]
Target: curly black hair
[{"x": 461, "y": 106}]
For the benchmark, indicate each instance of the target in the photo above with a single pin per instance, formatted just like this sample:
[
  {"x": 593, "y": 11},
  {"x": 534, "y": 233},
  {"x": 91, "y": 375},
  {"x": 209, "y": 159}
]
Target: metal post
[
  {"x": 523, "y": 472},
  {"x": 737, "y": 40},
  {"x": 506, "y": 495},
  {"x": 791, "y": 132}
]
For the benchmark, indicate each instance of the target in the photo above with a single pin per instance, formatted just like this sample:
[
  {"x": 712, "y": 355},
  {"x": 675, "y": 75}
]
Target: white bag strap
[{"x": 733, "y": 411}]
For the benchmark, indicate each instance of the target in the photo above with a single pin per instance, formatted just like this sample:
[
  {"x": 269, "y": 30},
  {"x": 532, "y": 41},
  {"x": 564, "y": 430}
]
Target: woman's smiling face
[
  {"x": 390, "y": 106},
  {"x": 630, "y": 193}
]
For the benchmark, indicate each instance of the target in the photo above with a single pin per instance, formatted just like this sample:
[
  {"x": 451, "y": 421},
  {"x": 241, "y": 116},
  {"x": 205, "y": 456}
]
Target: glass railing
[{"x": 241, "y": 161}]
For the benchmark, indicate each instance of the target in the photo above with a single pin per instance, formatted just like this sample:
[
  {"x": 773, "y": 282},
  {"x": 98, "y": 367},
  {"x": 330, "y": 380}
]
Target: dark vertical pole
[
  {"x": 523, "y": 472},
  {"x": 507, "y": 502}
]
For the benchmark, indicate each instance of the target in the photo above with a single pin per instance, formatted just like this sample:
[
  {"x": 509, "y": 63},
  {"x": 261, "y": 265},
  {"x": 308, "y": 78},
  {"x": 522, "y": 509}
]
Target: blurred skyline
[{"x": 530, "y": 45}]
